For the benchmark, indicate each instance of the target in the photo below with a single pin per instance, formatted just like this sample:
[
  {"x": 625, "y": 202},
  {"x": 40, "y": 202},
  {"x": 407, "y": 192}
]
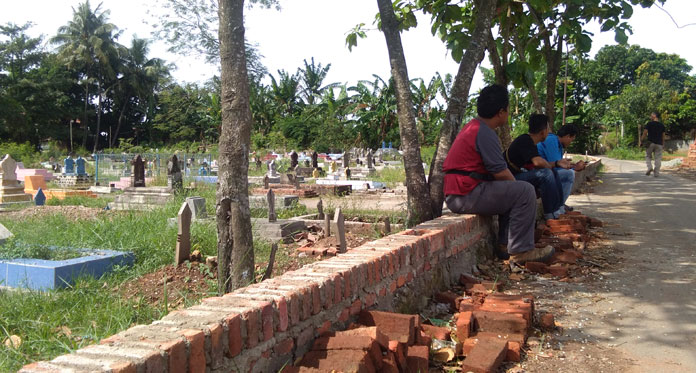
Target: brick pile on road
[
  {"x": 379, "y": 342},
  {"x": 569, "y": 236}
]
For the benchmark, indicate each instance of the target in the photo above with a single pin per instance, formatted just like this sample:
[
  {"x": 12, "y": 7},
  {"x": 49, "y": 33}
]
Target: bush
[
  {"x": 627, "y": 153},
  {"x": 25, "y": 153}
]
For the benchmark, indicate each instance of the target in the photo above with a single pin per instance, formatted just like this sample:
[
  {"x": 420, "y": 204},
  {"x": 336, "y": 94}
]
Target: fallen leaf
[
  {"x": 14, "y": 341},
  {"x": 444, "y": 355}
]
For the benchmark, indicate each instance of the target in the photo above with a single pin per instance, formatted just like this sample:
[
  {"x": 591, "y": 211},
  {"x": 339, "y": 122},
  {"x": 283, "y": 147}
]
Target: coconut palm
[{"x": 88, "y": 44}]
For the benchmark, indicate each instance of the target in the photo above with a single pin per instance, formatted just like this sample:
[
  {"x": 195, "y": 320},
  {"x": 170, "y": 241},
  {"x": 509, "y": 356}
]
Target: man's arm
[
  {"x": 644, "y": 135},
  {"x": 541, "y": 163},
  {"x": 504, "y": 175}
]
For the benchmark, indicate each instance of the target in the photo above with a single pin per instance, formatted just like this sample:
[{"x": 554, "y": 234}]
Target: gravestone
[
  {"x": 174, "y": 177},
  {"x": 334, "y": 166},
  {"x": 327, "y": 225},
  {"x": 39, "y": 197},
  {"x": 4, "y": 234},
  {"x": 266, "y": 181},
  {"x": 270, "y": 196},
  {"x": 183, "y": 237},
  {"x": 258, "y": 164},
  {"x": 11, "y": 193},
  {"x": 348, "y": 172},
  {"x": 197, "y": 206},
  {"x": 346, "y": 160},
  {"x": 316, "y": 174},
  {"x": 272, "y": 169},
  {"x": 320, "y": 209},
  {"x": 340, "y": 231},
  {"x": 138, "y": 172},
  {"x": 293, "y": 160},
  {"x": 306, "y": 163},
  {"x": 315, "y": 160},
  {"x": 387, "y": 225},
  {"x": 80, "y": 167},
  {"x": 68, "y": 165},
  {"x": 370, "y": 160}
]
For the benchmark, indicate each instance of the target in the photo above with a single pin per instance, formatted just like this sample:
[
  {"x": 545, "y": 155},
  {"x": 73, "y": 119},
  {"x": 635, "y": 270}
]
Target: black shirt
[
  {"x": 521, "y": 152},
  {"x": 655, "y": 131}
]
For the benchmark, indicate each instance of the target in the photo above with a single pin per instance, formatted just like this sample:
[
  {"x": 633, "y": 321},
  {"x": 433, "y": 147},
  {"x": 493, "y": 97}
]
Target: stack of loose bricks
[
  {"x": 690, "y": 161},
  {"x": 264, "y": 326}
]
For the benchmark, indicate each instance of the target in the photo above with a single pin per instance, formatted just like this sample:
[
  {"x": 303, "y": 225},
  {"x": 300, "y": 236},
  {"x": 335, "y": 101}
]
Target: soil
[{"x": 71, "y": 212}]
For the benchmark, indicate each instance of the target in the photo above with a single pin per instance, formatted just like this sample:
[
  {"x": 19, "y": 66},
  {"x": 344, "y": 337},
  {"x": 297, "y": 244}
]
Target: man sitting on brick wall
[
  {"x": 477, "y": 180},
  {"x": 552, "y": 150},
  {"x": 526, "y": 164}
]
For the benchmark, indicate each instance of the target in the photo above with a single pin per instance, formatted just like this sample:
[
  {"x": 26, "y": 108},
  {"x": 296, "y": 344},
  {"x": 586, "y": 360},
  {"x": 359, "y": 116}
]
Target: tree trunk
[
  {"x": 530, "y": 83},
  {"x": 419, "y": 208},
  {"x": 553, "y": 69},
  {"x": 459, "y": 96},
  {"x": 84, "y": 133},
  {"x": 235, "y": 240},
  {"x": 118, "y": 126},
  {"x": 99, "y": 110}
]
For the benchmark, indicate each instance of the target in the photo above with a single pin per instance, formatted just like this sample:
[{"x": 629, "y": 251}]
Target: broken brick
[
  {"x": 536, "y": 267},
  {"x": 399, "y": 351},
  {"x": 423, "y": 339},
  {"x": 564, "y": 257},
  {"x": 468, "y": 279},
  {"x": 389, "y": 364},
  {"x": 436, "y": 332},
  {"x": 547, "y": 322},
  {"x": 559, "y": 270},
  {"x": 449, "y": 298},
  {"x": 359, "y": 342},
  {"x": 464, "y": 325},
  {"x": 395, "y": 326},
  {"x": 486, "y": 356},
  {"x": 417, "y": 359},
  {"x": 370, "y": 331},
  {"x": 596, "y": 223},
  {"x": 512, "y": 304},
  {"x": 500, "y": 322},
  {"x": 338, "y": 360},
  {"x": 515, "y": 342}
]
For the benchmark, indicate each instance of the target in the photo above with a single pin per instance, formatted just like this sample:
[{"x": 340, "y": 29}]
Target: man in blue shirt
[{"x": 552, "y": 150}]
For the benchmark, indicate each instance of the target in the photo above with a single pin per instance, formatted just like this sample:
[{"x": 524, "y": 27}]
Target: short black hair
[
  {"x": 657, "y": 115},
  {"x": 491, "y": 100},
  {"x": 538, "y": 123},
  {"x": 568, "y": 129}
]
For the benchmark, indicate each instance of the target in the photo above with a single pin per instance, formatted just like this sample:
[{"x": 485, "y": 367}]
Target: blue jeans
[
  {"x": 566, "y": 178},
  {"x": 546, "y": 181}
]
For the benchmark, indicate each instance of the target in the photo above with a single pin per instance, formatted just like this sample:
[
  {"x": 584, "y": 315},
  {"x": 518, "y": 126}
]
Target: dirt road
[{"x": 644, "y": 311}]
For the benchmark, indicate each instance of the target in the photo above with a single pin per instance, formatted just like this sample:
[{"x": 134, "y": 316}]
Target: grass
[
  {"x": 57, "y": 322},
  {"x": 17, "y": 249},
  {"x": 392, "y": 176},
  {"x": 80, "y": 201},
  {"x": 635, "y": 154}
]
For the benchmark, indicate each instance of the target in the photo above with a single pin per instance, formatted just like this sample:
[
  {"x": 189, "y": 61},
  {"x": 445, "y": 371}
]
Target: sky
[{"x": 303, "y": 29}]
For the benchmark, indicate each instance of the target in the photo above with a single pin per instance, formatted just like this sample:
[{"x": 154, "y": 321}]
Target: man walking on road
[{"x": 655, "y": 132}]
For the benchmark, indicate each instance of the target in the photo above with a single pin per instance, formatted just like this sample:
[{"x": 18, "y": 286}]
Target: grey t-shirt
[{"x": 488, "y": 145}]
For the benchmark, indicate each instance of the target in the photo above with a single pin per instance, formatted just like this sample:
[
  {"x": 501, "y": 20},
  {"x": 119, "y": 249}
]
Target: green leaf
[{"x": 621, "y": 36}]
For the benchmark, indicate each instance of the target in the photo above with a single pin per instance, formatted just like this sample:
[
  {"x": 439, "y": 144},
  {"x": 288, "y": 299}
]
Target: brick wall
[{"x": 264, "y": 326}]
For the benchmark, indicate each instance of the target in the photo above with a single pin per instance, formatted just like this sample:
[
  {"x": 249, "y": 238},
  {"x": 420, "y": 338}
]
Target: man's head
[
  {"x": 492, "y": 105},
  {"x": 654, "y": 116},
  {"x": 539, "y": 126},
  {"x": 567, "y": 134}
]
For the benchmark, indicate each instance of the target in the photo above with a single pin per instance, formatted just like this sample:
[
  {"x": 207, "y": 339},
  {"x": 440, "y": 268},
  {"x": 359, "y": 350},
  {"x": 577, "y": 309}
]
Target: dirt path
[{"x": 642, "y": 312}]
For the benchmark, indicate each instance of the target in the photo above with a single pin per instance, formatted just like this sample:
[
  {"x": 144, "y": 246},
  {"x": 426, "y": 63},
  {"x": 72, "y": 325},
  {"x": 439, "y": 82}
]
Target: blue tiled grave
[{"x": 39, "y": 274}]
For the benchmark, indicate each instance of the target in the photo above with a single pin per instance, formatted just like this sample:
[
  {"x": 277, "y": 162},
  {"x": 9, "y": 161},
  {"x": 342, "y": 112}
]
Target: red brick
[
  {"x": 564, "y": 257},
  {"x": 253, "y": 325},
  {"x": 338, "y": 282},
  {"x": 476, "y": 288},
  {"x": 450, "y": 298},
  {"x": 401, "y": 281},
  {"x": 466, "y": 305},
  {"x": 370, "y": 300},
  {"x": 537, "y": 267},
  {"x": 399, "y": 351},
  {"x": 234, "y": 342},
  {"x": 196, "y": 341},
  {"x": 389, "y": 364},
  {"x": 383, "y": 292},
  {"x": 500, "y": 322},
  {"x": 284, "y": 347},
  {"x": 338, "y": 360},
  {"x": 395, "y": 326},
  {"x": 325, "y": 327},
  {"x": 436, "y": 332},
  {"x": 316, "y": 299},
  {"x": 283, "y": 317},
  {"x": 217, "y": 344},
  {"x": 355, "y": 307},
  {"x": 344, "y": 315},
  {"x": 354, "y": 342},
  {"x": 486, "y": 356},
  {"x": 409, "y": 276},
  {"x": 392, "y": 287},
  {"x": 305, "y": 337},
  {"x": 464, "y": 325},
  {"x": 347, "y": 284},
  {"x": 467, "y": 345},
  {"x": 423, "y": 339},
  {"x": 559, "y": 270},
  {"x": 514, "y": 304},
  {"x": 417, "y": 359},
  {"x": 369, "y": 331},
  {"x": 596, "y": 223},
  {"x": 514, "y": 344}
]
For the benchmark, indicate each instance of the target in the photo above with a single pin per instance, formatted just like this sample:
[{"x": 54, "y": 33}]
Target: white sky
[{"x": 317, "y": 28}]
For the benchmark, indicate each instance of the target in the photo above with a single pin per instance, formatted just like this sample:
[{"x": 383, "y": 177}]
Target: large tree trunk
[
  {"x": 118, "y": 126},
  {"x": 419, "y": 208},
  {"x": 99, "y": 110},
  {"x": 235, "y": 241},
  {"x": 458, "y": 99},
  {"x": 84, "y": 124},
  {"x": 553, "y": 69}
]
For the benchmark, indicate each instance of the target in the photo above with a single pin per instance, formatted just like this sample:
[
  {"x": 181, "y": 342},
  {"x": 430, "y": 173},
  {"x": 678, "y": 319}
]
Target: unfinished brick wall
[{"x": 262, "y": 327}]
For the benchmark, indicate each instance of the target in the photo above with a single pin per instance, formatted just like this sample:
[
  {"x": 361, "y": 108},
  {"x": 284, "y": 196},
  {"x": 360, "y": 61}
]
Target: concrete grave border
[{"x": 39, "y": 274}]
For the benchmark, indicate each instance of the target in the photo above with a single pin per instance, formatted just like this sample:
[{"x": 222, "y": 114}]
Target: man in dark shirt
[
  {"x": 477, "y": 180},
  {"x": 526, "y": 164},
  {"x": 655, "y": 132}
]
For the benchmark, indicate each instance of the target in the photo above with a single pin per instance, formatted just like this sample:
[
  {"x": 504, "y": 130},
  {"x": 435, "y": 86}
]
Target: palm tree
[
  {"x": 87, "y": 43},
  {"x": 138, "y": 81}
]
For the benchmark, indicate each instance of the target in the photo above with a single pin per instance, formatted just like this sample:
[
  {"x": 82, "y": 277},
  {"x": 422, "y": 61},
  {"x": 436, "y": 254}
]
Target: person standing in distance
[{"x": 655, "y": 132}]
